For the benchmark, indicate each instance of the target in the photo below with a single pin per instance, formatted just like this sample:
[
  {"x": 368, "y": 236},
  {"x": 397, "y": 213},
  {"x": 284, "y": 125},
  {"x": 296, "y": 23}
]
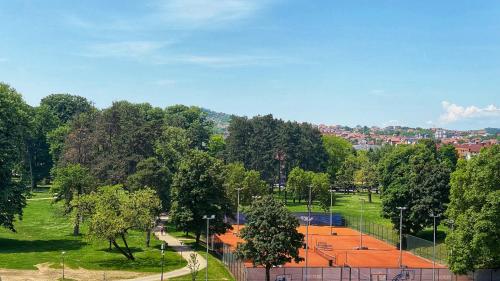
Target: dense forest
[{"x": 176, "y": 160}]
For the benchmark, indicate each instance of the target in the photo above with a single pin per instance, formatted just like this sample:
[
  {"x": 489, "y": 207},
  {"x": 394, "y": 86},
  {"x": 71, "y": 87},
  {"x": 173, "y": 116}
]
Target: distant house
[{"x": 467, "y": 151}]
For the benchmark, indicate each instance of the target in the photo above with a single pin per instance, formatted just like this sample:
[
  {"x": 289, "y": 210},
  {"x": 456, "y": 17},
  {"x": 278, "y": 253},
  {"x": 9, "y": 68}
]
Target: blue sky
[{"x": 416, "y": 63}]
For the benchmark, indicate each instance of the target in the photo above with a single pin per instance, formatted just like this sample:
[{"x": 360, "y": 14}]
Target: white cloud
[
  {"x": 453, "y": 112},
  {"x": 202, "y": 12},
  {"x": 130, "y": 49}
]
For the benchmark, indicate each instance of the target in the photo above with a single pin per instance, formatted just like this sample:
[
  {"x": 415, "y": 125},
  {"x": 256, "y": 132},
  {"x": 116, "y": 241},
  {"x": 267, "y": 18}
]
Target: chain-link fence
[
  {"x": 378, "y": 231},
  {"x": 424, "y": 248}
]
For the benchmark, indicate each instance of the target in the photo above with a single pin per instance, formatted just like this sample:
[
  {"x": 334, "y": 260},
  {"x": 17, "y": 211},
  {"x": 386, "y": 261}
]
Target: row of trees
[{"x": 127, "y": 152}]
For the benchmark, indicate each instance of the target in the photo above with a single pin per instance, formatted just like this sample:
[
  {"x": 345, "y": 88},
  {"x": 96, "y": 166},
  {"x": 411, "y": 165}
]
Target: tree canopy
[
  {"x": 198, "y": 190},
  {"x": 270, "y": 235},
  {"x": 414, "y": 177},
  {"x": 14, "y": 122},
  {"x": 474, "y": 209}
]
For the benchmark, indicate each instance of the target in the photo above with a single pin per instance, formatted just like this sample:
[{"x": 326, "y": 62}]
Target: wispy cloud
[
  {"x": 197, "y": 13},
  {"x": 125, "y": 49},
  {"x": 223, "y": 60},
  {"x": 453, "y": 113}
]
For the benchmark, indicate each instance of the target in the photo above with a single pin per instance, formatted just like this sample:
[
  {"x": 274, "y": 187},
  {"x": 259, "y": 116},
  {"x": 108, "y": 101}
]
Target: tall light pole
[
  {"x": 309, "y": 219},
  {"x": 361, "y": 227},
  {"x": 62, "y": 255},
  {"x": 162, "y": 259},
  {"x": 208, "y": 218},
  {"x": 331, "y": 215},
  {"x": 401, "y": 235},
  {"x": 238, "y": 211},
  {"x": 434, "y": 216}
]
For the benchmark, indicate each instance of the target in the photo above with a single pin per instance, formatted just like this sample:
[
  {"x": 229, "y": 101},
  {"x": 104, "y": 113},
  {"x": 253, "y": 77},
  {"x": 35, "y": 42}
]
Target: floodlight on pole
[
  {"x": 401, "y": 235},
  {"x": 331, "y": 215},
  {"x": 208, "y": 218},
  {"x": 238, "y": 211},
  {"x": 361, "y": 247},
  {"x": 309, "y": 219},
  {"x": 434, "y": 216}
]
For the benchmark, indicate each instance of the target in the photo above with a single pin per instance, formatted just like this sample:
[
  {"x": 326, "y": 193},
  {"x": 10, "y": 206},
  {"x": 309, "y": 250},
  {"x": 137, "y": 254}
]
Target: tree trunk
[
  {"x": 268, "y": 273},
  {"x": 369, "y": 195},
  {"x": 128, "y": 249},
  {"x": 76, "y": 227},
  {"x": 32, "y": 177},
  {"x": 148, "y": 237},
  {"x": 121, "y": 250},
  {"x": 110, "y": 244},
  {"x": 198, "y": 234}
]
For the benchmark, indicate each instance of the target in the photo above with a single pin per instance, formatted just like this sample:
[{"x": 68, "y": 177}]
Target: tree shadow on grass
[
  {"x": 29, "y": 246},
  {"x": 116, "y": 251},
  {"x": 123, "y": 264}
]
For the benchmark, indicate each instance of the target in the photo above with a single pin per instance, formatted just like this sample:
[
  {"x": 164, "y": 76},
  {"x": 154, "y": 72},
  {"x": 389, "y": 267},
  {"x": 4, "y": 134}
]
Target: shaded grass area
[
  {"x": 44, "y": 234},
  {"x": 216, "y": 269}
]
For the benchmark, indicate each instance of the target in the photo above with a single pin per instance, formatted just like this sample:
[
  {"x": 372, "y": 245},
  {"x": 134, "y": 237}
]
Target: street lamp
[
  {"x": 361, "y": 228},
  {"x": 331, "y": 215},
  {"x": 238, "y": 211},
  {"x": 434, "y": 216},
  {"x": 163, "y": 246},
  {"x": 62, "y": 255},
  {"x": 208, "y": 218},
  {"x": 401, "y": 235}
]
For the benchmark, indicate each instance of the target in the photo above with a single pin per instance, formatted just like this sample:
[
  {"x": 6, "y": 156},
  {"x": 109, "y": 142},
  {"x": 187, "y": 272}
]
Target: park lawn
[
  {"x": 216, "y": 269},
  {"x": 349, "y": 205},
  {"x": 44, "y": 233}
]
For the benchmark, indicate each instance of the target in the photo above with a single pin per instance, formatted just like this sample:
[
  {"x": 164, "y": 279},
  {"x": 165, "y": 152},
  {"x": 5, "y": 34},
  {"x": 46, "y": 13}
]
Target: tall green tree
[
  {"x": 198, "y": 190},
  {"x": 474, "y": 241},
  {"x": 194, "y": 121},
  {"x": 14, "y": 125},
  {"x": 366, "y": 176},
  {"x": 152, "y": 174},
  {"x": 298, "y": 183},
  {"x": 65, "y": 106},
  {"x": 270, "y": 235},
  {"x": 413, "y": 177},
  {"x": 172, "y": 146},
  {"x": 39, "y": 160},
  {"x": 248, "y": 181},
  {"x": 337, "y": 149},
  {"x": 70, "y": 183},
  {"x": 256, "y": 142},
  {"x": 217, "y": 146},
  {"x": 112, "y": 212}
]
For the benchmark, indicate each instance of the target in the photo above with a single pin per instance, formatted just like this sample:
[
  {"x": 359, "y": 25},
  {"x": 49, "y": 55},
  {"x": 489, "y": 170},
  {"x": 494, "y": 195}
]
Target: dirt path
[
  {"x": 182, "y": 250},
  {"x": 45, "y": 273}
]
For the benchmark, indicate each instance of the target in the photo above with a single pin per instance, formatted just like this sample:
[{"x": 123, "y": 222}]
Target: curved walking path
[{"x": 183, "y": 250}]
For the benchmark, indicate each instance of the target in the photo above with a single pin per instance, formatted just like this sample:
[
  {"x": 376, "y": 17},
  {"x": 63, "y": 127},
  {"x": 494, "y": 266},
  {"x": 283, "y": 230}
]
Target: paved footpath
[{"x": 183, "y": 250}]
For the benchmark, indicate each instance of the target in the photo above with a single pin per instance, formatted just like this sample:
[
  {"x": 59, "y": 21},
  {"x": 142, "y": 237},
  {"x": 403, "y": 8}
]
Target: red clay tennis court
[{"x": 341, "y": 250}]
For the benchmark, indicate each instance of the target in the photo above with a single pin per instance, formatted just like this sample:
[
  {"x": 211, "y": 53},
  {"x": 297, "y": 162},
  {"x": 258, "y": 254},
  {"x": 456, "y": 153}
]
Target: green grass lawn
[
  {"x": 216, "y": 269},
  {"x": 348, "y": 205},
  {"x": 44, "y": 233}
]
